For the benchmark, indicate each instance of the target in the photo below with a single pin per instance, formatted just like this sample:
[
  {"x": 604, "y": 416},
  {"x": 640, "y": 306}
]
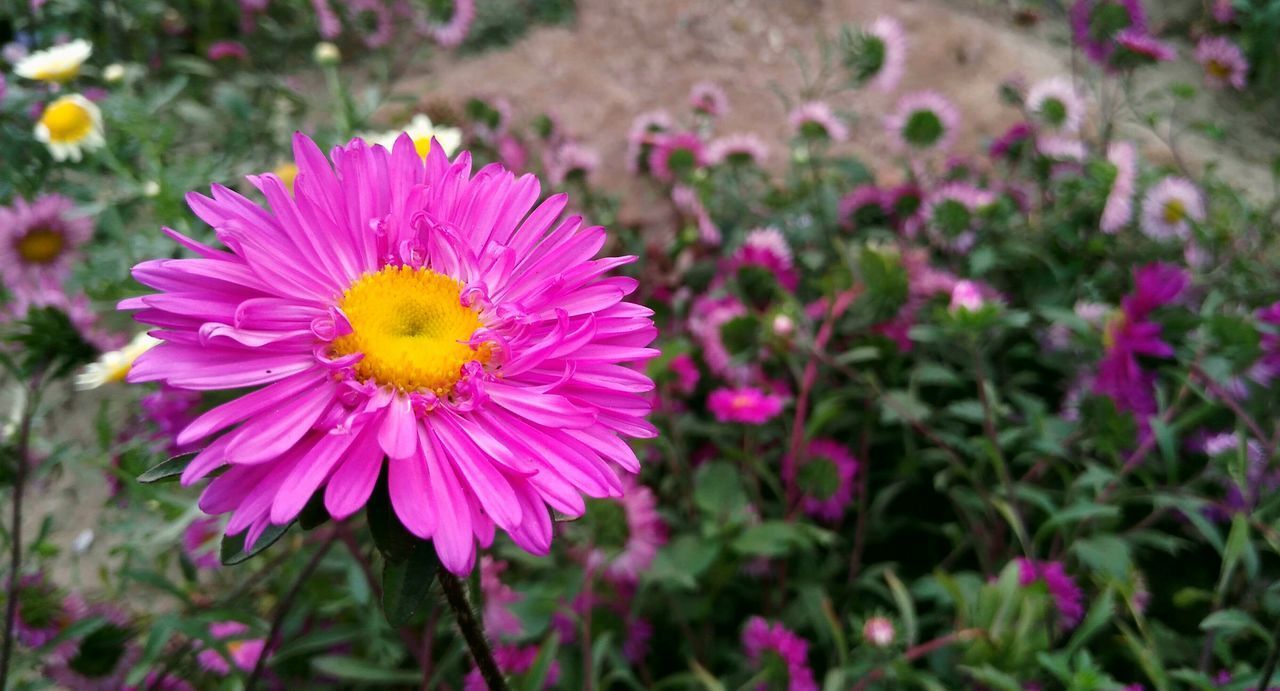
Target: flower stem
[
  {"x": 455, "y": 593},
  {"x": 23, "y": 459},
  {"x": 282, "y": 610}
]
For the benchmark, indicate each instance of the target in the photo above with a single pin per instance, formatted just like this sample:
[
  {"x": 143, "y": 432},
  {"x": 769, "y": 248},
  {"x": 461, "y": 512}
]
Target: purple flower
[
  {"x": 761, "y": 640},
  {"x": 1095, "y": 24},
  {"x": 709, "y": 99},
  {"x": 1067, "y": 598},
  {"x": 1223, "y": 62},
  {"x": 1131, "y": 333}
]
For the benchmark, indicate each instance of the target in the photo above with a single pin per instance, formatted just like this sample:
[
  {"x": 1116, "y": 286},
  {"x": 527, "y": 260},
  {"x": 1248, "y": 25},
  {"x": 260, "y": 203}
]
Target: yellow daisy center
[
  {"x": 40, "y": 246},
  {"x": 423, "y": 145},
  {"x": 287, "y": 172},
  {"x": 68, "y": 122},
  {"x": 1218, "y": 69},
  {"x": 1174, "y": 211},
  {"x": 60, "y": 73},
  {"x": 412, "y": 329}
]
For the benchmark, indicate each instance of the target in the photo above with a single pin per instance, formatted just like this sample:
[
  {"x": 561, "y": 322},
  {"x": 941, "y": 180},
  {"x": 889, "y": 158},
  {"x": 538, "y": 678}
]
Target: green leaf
[
  {"x": 168, "y": 470},
  {"x": 906, "y": 606},
  {"x": 1230, "y": 622},
  {"x": 233, "y": 548},
  {"x": 717, "y": 489},
  {"x": 899, "y": 406},
  {"x": 682, "y": 561},
  {"x": 769, "y": 539},
  {"x": 1075, "y": 513},
  {"x": 536, "y": 678},
  {"x": 1105, "y": 554},
  {"x": 406, "y": 584},
  {"x": 354, "y": 669},
  {"x": 1237, "y": 546}
]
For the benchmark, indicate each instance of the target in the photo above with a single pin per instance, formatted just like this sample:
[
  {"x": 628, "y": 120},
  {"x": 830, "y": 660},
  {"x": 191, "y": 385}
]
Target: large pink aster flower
[
  {"x": 39, "y": 240},
  {"x": 403, "y": 309}
]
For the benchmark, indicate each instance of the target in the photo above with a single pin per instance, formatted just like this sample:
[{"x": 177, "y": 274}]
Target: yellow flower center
[
  {"x": 423, "y": 145},
  {"x": 1218, "y": 69},
  {"x": 1113, "y": 325},
  {"x": 1174, "y": 211},
  {"x": 287, "y": 172},
  {"x": 68, "y": 122},
  {"x": 40, "y": 246},
  {"x": 412, "y": 328}
]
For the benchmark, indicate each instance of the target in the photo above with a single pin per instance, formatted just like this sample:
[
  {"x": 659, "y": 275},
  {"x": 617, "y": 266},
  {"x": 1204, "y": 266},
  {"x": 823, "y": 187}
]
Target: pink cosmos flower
[
  {"x": 815, "y": 119},
  {"x": 1118, "y": 210},
  {"x": 1058, "y": 104},
  {"x": 922, "y": 122},
  {"x": 200, "y": 543},
  {"x": 514, "y": 660},
  {"x": 1223, "y": 62},
  {"x": 768, "y": 249},
  {"x": 244, "y": 651},
  {"x": 709, "y": 99},
  {"x": 1135, "y": 47},
  {"x": 40, "y": 240},
  {"x": 687, "y": 374},
  {"x": 674, "y": 154},
  {"x": 499, "y": 620},
  {"x": 401, "y": 308},
  {"x": 636, "y": 645},
  {"x": 747, "y": 405},
  {"x": 1066, "y": 594},
  {"x": 888, "y": 31},
  {"x": 227, "y": 50},
  {"x": 824, "y": 476},
  {"x": 737, "y": 149},
  {"x": 761, "y": 639},
  {"x": 1095, "y": 24},
  {"x": 1170, "y": 207},
  {"x": 645, "y": 533}
]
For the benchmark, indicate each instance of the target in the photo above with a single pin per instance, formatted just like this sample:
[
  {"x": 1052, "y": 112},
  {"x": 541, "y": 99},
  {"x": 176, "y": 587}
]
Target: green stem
[{"x": 455, "y": 593}]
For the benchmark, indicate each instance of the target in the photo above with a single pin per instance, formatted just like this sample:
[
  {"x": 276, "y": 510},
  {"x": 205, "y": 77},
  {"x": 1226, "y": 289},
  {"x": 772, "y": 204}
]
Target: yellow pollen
[
  {"x": 1174, "y": 211},
  {"x": 423, "y": 145},
  {"x": 1113, "y": 325},
  {"x": 40, "y": 246},
  {"x": 67, "y": 121},
  {"x": 412, "y": 328},
  {"x": 60, "y": 73},
  {"x": 287, "y": 172},
  {"x": 1218, "y": 69}
]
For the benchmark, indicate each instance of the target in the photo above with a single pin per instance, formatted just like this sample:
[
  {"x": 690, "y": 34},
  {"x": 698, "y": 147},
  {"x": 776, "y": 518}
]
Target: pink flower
[
  {"x": 747, "y": 405},
  {"x": 709, "y": 99},
  {"x": 707, "y": 319},
  {"x": 644, "y": 530},
  {"x": 966, "y": 296},
  {"x": 369, "y": 311},
  {"x": 878, "y": 632},
  {"x": 816, "y": 120},
  {"x": 451, "y": 31},
  {"x": 1066, "y": 594},
  {"x": 512, "y": 154},
  {"x": 641, "y": 136},
  {"x": 170, "y": 410},
  {"x": 1170, "y": 207},
  {"x": 867, "y": 206},
  {"x": 687, "y": 374},
  {"x": 44, "y": 611},
  {"x": 40, "y": 240},
  {"x": 766, "y": 248},
  {"x": 1131, "y": 333},
  {"x": 244, "y": 652},
  {"x": 1095, "y": 24},
  {"x": 200, "y": 543},
  {"x": 1223, "y": 62},
  {"x": 76, "y": 308},
  {"x": 1224, "y": 11},
  {"x": 571, "y": 161},
  {"x": 893, "y": 41},
  {"x": 1135, "y": 47},
  {"x": 922, "y": 122},
  {"x": 675, "y": 155},
  {"x": 761, "y": 639},
  {"x": 1058, "y": 104},
  {"x": 329, "y": 24},
  {"x": 1119, "y": 207},
  {"x": 824, "y": 476},
  {"x": 513, "y": 659},
  {"x": 951, "y": 214},
  {"x": 227, "y": 50},
  {"x": 499, "y": 620},
  {"x": 737, "y": 149},
  {"x": 1008, "y": 145}
]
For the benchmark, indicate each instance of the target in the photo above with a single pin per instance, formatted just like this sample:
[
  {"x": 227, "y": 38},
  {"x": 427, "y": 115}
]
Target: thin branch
[
  {"x": 23, "y": 458},
  {"x": 282, "y": 610},
  {"x": 455, "y": 593}
]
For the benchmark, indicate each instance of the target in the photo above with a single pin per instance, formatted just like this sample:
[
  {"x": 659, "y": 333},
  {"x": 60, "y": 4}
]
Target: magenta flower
[
  {"x": 200, "y": 543},
  {"x": 40, "y": 240},
  {"x": 966, "y": 296},
  {"x": 1058, "y": 105},
  {"x": 571, "y": 161},
  {"x": 1118, "y": 210},
  {"x": 893, "y": 46},
  {"x": 767, "y": 249},
  {"x": 329, "y": 24},
  {"x": 1067, "y": 598},
  {"x": 709, "y": 99},
  {"x": 762, "y": 641},
  {"x": 44, "y": 611},
  {"x": 1131, "y": 333},
  {"x": 1095, "y": 24},
  {"x": 1224, "y": 11},
  {"x": 1135, "y": 48},
  {"x": 865, "y": 207},
  {"x": 737, "y": 149},
  {"x": 227, "y": 50},
  {"x": 513, "y": 659},
  {"x": 105, "y": 674},
  {"x": 401, "y": 308},
  {"x": 639, "y": 522},
  {"x": 499, "y": 620},
  {"x": 170, "y": 410},
  {"x": 1223, "y": 62},
  {"x": 1170, "y": 207},
  {"x": 675, "y": 154},
  {"x": 951, "y": 213},
  {"x": 640, "y": 138},
  {"x": 707, "y": 319},
  {"x": 686, "y": 372},
  {"x": 75, "y": 307},
  {"x": 747, "y": 405},
  {"x": 687, "y": 201},
  {"x": 816, "y": 120},
  {"x": 824, "y": 476},
  {"x": 244, "y": 651},
  {"x": 452, "y": 30},
  {"x": 1008, "y": 145},
  {"x": 922, "y": 122}
]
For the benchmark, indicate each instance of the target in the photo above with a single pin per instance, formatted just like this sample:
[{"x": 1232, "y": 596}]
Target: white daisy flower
[
  {"x": 57, "y": 64},
  {"x": 69, "y": 126}
]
